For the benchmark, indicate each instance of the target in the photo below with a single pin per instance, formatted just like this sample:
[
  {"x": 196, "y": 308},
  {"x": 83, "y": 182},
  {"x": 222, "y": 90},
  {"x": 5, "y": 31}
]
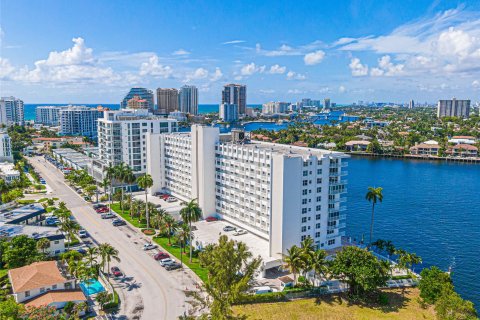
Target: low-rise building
[
  {"x": 47, "y": 143},
  {"x": 44, "y": 283},
  {"x": 73, "y": 159},
  {"x": 5, "y": 147},
  {"x": 52, "y": 234},
  {"x": 177, "y": 115},
  {"x": 462, "y": 140},
  {"x": 428, "y": 148},
  {"x": 357, "y": 145},
  {"x": 31, "y": 214},
  {"x": 8, "y": 172},
  {"x": 463, "y": 150}
]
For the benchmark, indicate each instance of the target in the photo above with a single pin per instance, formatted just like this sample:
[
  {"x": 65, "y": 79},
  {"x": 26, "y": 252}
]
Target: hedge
[{"x": 261, "y": 298}]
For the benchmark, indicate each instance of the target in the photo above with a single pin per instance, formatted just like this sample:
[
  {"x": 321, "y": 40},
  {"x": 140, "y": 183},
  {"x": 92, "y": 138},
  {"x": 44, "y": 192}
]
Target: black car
[
  {"x": 173, "y": 266},
  {"x": 99, "y": 205},
  {"x": 118, "y": 222},
  {"x": 229, "y": 228}
]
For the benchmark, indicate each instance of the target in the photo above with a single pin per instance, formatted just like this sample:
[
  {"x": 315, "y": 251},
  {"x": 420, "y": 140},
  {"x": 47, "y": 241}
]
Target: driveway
[{"x": 148, "y": 291}]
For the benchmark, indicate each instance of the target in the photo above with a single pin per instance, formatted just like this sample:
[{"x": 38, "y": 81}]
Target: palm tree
[
  {"x": 69, "y": 227},
  {"x": 294, "y": 261},
  {"x": 105, "y": 184},
  {"x": 183, "y": 234},
  {"x": 157, "y": 218},
  {"x": 319, "y": 264},
  {"x": 3, "y": 187},
  {"x": 130, "y": 179},
  {"x": 43, "y": 244},
  {"x": 110, "y": 175},
  {"x": 120, "y": 174},
  {"x": 62, "y": 206},
  {"x": 170, "y": 224},
  {"x": 373, "y": 195},
  {"x": 145, "y": 181},
  {"x": 91, "y": 257},
  {"x": 191, "y": 212},
  {"x": 107, "y": 253},
  {"x": 307, "y": 250},
  {"x": 135, "y": 208}
]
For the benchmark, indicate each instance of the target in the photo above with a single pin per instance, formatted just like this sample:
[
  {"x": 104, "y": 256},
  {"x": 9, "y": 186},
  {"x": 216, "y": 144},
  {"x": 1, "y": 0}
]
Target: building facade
[
  {"x": 122, "y": 136},
  {"x": 188, "y": 100},
  {"x": 235, "y": 94},
  {"x": 143, "y": 94},
  {"x": 228, "y": 112},
  {"x": 137, "y": 103},
  {"x": 79, "y": 121},
  {"x": 47, "y": 115},
  {"x": 280, "y": 193},
  {"x": 5, "y": 148},
  {"x": 453, "y": 108},
  {"x": 167, "y": 100},
  {"x": 275, "y": 107},
  {"x": 11, "y": 111}
]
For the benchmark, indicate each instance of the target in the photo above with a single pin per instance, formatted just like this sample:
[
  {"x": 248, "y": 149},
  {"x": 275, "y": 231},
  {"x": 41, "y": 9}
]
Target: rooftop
[
  {"x": 23, "y": 213},
  {"x": 36, "y": 232},
  {"x": 50, "y": 297},
  {"x": 35, "y": 275}
]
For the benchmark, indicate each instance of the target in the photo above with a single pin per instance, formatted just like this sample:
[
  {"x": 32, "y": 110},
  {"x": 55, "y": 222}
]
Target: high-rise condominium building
[
  {"x": 453, "y": 108},
  {"x": 11, "y": 111},
  {"x": 235, "y": 94},
  {"x": 121, "y": 136},
  {"x": 79, "y": 121},
  {"x": 47, "y": 115},
  {"x": 188, "y": 99},
  {"x": 411, "y": 104},
  {"x": 137, "y": 103},
  {"x": 167, "y": 100},
  {"x": 281, "y": 193},
  {"x": 143, "y": 94},
  {"x": 275, "y": 107},
  {"x": 5, "y": 148},
  {"x": 228, "y": 112},
  {"x": 326, "y": 103}
]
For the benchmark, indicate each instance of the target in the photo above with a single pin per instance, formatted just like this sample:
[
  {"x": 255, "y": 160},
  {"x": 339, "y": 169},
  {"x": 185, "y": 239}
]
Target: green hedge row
[{"x": 261, "y": 298}]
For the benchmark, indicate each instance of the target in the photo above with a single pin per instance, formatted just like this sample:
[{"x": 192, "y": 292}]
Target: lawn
[
  {"x": 3, "y": 272},
  {"x": 335, "y": 307},
  {"x": 175, "y": 251},
  {"x": 126, "y": 216}
]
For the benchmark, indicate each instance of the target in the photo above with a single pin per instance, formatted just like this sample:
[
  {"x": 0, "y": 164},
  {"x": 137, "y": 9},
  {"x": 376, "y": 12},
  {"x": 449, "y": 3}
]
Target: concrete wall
[{"x": 21, "y": 296}]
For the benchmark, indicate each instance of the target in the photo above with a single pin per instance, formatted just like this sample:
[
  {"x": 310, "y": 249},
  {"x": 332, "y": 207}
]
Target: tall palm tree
[
  {"x": 294, "y": 261},
  {"x": 319, "y": 263},
  {"x": 3, "y": 188},
  {"x": 191, "y": 212},
  {"x": 307, "y": 248},
  {"x": 43, "y": 244},
  {"x": 373, "y": 195},
  {"x": 107, "y": 253},
  {"x": 145, "y": 181},
  {"x": 183, "y": 234},
  {"x": 110, "y": 175},
  {"x": 170, "y": 224},
  {"x": 120, "y": 174},
  {"x": 91, "y": 256},
  {"x": 69, "y": 227},
  {"x": 157, "y": 218},
  {"x": 130, "y": 179}
]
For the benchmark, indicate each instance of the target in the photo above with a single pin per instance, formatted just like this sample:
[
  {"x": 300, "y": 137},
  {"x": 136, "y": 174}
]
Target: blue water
[
  {"x": 430, "y": 208},
  {"x": 94, "y": 286}
]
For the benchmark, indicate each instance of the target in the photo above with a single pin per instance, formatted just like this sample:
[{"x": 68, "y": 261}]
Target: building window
[
  {"x": 305, "y": 182},
  {"x": 319, "y": 171},
  {"x": 303, "y": 238},
  {"x": 305, "y": 173},
  {"x": 331, "y": 242},
  {"x": 305, "y": 164},
  {"x": 319, "y": 199},
  {"x": 304, "y": 201},
  {"x": 54, "y": 287},
  {"x": 304, "y": 210},
  {"x": 27, "y": 293},
  {"x": 318, "y": 216},
  {"x": 319, "y": 189},
  {"x": 317, "y": 234},
  {"x": 304, "y": 219},
  {"x": 319, "y": 162},
  {"x": 319, "y": 180},
  {"x": 318, "y": 208},
  {"x": 304, "y": 229},
  {"x": 304, "y": 192},
  {"x": 57, "y": 242},
  {"x": 317, "y": 226}
]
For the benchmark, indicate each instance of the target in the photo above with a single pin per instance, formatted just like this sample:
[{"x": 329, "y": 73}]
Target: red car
[
  {"x": 161, "y": 255},
  {"x": 211, "y": 219},
  {"x": 164, "y": 196},
  {"x": 116, "y": 272},
  {"x": 102, "y": 210}
]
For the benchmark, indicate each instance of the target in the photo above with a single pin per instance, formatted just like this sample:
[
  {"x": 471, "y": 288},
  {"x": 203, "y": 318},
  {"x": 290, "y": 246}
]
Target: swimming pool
[{"x": 92, "y": 286}]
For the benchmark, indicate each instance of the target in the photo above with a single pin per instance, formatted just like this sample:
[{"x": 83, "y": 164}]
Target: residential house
[
  {"x": 427, "y": 148},
  {"x": 463, "y": 150},
  {"x": 357, "y": 145}
]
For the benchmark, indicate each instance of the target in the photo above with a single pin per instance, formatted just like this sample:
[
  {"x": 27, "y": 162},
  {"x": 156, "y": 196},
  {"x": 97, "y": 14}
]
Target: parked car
[
  {"x": 107, "y": 215},
  {"x": 149, "y": 246},
  {"x": 99, "y": 205},
  {"x": 86, "y": 198},
  {"x": 166, "y": 261},
  {"x": 116, "y": 271},
  {"x": 82, "y": 233},
  {"x": 173, "y": 266},
  {"x": 264, "y": 289},
  {"x": 171, "y": 199},
  {"x": 161, "y": 256},
  {"x": 211, "y": 219},
  {"x": 118, "y": 222},
  {"x": 239, "y": 232},
  {"x": 102, "y": 210},
  {"x": 81, "y": 250},
  {"x": 229, "y": 228},
  {"x": 164, "y": 196}
]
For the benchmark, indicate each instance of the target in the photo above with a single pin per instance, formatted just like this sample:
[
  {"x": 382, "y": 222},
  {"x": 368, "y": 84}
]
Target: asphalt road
[{"x": 159, "y": 292}]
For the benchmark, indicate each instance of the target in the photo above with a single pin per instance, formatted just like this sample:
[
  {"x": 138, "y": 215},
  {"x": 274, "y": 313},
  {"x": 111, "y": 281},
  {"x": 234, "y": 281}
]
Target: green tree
[
  {"x": 170, "y": 225},
  {"x": 183, "y": 234},
  {"x": 43, "y": 244},
  {"x": 406, "y": 260},
  {"x": 91, "y": 256},
  {"x": 231, "y": 268},
  {"x": 319, "y": 263},
  {"x": 359, "y": 268},
  {"x": 190, "y": 213},
  {"x": 69, "y": 227},
  {"x": 294, "y": 261},
  {"x": 10, "y": 310},
  {"x": 19, "y": 251},
  {"x": 373, "y": 195},
  {"x": 121, "y": 171},
  {"x": 450, "y": 306},
  {"x": 433, "y": 284},
  {"x": 102, "y": 298},
  {"x": 110, "y": 173},
  {"x": 145, "y": 181},
  {"x": 107, "y": 253}
]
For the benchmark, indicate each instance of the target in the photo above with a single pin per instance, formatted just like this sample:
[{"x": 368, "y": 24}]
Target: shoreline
[{"x": 414, "y": 157}]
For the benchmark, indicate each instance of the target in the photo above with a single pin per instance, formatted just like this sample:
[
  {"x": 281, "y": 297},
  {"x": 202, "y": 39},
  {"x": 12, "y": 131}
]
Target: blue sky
[{"x": 93, "y": 51}]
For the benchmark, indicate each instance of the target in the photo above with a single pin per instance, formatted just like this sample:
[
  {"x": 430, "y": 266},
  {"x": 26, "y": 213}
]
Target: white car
[
  {"x": 265, "y": 289},
  {"x": 149, "y": 246},
  {"x": 166, "y": 261},
  {"x": 171, "y": 199},
  {"x": 82, "y": 233},
  {"x": 239, "y": 232}
]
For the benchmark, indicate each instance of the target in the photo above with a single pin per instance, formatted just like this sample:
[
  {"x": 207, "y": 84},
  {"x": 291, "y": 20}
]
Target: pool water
[{"x": 92, "y": 286}]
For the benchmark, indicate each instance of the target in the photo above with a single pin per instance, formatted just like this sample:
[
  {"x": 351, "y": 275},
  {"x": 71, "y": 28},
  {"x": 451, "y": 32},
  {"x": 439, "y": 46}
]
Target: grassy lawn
[
  {"x": 335, "y": 307},
  {"x": 126, "y": 216},
  {"x": 175, "y": 251},
  {"x": 3, "y": 272}
]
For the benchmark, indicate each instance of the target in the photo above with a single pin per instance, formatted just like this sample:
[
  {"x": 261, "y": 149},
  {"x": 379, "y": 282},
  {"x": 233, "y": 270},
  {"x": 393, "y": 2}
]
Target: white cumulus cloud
[
  {"x": 291, "y": 75},
  {"x": 251, "y": 68},
  {"x": 154, "y": 68},
  {"x": 313, "y": 58},
  {"x": 357, "y": 68},
  {"x": 277, "y": 69}
]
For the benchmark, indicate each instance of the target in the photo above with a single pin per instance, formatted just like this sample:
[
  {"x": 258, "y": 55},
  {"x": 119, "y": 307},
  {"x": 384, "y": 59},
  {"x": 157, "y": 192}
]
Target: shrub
[
  {"x": 261, "y": 298},
  {"x": 148, "y": 232},
  {"x": 383, "y": 299}
]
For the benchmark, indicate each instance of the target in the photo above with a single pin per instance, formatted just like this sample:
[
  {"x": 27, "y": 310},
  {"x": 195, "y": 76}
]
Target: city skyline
[{"x": 375, "y": 52}]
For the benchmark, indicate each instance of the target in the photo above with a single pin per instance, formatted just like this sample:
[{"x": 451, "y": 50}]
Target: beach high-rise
[
  {"x": 235, "y": 94},
  {"x": 167, "y": 100},
  {"x": 188, "y": 99}
]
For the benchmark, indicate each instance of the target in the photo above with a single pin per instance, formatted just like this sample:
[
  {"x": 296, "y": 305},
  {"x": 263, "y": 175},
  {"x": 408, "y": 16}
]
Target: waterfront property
[
  {"x": 79, "y": 121},
  {"x": 280, "y": 193},
  {"x": 357, "y": 145},
  {"x": 11, "y": 111},
  {"x": 427, "y": 148}
]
